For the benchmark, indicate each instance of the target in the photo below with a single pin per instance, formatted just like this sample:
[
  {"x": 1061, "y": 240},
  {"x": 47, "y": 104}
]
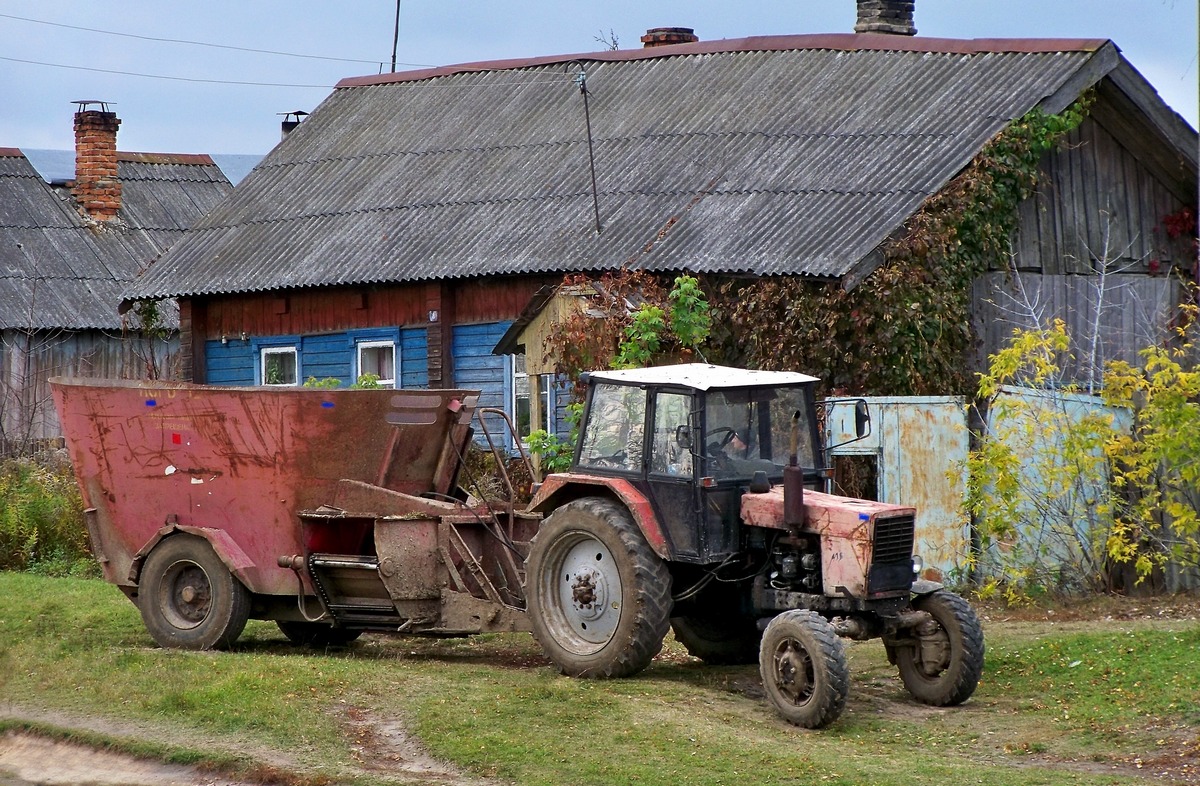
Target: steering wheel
[{"x": 730, "y": 434}]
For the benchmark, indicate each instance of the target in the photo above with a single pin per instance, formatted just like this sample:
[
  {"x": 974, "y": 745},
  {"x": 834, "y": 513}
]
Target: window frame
[
  {"x": 374, "y": 343},
  {"x": 289, "y": 349}
]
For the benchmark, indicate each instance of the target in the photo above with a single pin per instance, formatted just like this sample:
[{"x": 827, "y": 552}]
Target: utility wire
[
  {"x": 157, "y": 76},
  {"x": 203, "y": 43}
]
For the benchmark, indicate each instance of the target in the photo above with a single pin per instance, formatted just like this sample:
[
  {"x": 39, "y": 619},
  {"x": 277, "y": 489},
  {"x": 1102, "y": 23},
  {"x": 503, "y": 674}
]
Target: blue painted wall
[
  {"x": 477, "y": 368},
  {"x": 236, "y": 362}
]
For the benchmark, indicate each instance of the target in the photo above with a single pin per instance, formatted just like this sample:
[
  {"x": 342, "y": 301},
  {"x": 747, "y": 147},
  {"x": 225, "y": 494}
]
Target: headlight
[{"x": 918, "y": 564}]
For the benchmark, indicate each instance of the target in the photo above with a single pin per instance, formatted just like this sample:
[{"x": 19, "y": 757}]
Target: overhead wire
[
  {"x": 206, "y": 43},
  {"x": 158, "y": 76}
]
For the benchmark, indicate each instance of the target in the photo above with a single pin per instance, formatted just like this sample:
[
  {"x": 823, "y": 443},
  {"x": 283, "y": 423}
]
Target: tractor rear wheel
[
  {"x": 599, "y": 598},
  {"x": 316, "y": 634},
  {"x": 188, "y": 598},
  {"x": 803, "y": 668},
  {"x": 943, "y": 663}
]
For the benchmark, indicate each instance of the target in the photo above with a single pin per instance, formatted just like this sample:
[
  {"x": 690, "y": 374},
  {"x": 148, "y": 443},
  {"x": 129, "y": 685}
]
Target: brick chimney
[
  {"x": 894, "y": 17},
  {"x": 664, "y": 36},
  {"x": 97, "y": 189}
]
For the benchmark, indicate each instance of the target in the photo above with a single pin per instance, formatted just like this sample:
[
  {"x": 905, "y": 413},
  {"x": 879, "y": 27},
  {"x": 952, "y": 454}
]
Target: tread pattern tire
[
  {"x": 719, "y": 639},
  {"x": 188, "y": 598},
  {"x": 599, "y": 598},
  {"x": 803, "y": 668},
  {"x": 957, "y": 645},
  {"x": 316, "y": 634}
]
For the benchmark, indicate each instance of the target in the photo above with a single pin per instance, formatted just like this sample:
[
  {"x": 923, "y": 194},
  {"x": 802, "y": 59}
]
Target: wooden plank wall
[
  {"x": 1098, "y": 201},
  {"x": 1133, "y": 312},
  {"x": 28, "y": 360},
  {"x": 304, "y": 312}
]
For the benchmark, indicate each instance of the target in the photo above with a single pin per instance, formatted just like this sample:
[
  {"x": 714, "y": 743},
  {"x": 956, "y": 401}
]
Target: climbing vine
[
  {"x": 904, "y": 330},
  {"x": 630, "y": 319}
]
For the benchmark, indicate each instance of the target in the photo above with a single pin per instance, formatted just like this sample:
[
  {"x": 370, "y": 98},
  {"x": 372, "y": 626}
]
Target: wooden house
[
  {"x": 68, "y": 250},
  {"x": 406, "y": 223}
]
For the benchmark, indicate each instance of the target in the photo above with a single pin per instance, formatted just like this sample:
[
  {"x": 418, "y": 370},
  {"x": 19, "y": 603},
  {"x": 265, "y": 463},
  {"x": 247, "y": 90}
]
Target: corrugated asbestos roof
[
  {"x": 790, "y": 155},
  {"x": 58, "y": 270}
]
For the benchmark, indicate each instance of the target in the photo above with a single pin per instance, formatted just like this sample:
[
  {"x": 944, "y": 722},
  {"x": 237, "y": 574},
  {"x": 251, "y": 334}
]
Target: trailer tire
[
  {"x": 943, "y": 665},
  {"x": 599, "y": 598},
  {"x": 316, "y": 634},
  {"x": 188, "y": 598},
  {"x": 803, "y": 668}
]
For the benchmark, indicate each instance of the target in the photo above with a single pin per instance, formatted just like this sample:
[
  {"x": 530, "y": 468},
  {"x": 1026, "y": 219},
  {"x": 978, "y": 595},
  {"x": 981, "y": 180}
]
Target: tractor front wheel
[
  {"x": 188, "y": 598},
  {"x": 942, "y": 664},
  {"x": 598, "y": 595},
  {"x": 803, "y": 667}
]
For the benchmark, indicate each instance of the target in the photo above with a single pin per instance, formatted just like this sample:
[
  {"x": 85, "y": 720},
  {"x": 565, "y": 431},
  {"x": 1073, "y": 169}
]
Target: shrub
[{"x": 41, "y": 520}]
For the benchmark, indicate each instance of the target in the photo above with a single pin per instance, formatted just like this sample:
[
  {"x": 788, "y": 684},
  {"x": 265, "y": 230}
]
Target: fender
[
  {"x": 560, "y": 489},
  {"x": 226, "y": 548},
  {"x": 925, "y": 587}
]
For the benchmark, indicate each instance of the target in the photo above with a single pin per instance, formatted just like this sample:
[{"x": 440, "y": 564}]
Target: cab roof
[{"x": 701, "y": 376}]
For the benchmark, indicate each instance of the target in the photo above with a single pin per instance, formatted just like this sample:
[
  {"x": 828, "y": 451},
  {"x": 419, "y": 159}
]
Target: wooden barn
[
  {"x": 68, "y": 249},
  {"x": 406, "y": 223}
]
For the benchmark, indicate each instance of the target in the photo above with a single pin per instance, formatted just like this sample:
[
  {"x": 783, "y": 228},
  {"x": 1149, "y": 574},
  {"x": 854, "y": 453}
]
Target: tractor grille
[
  {"x": 891, "y": 565},
  {"x": 893, "y": 540}
]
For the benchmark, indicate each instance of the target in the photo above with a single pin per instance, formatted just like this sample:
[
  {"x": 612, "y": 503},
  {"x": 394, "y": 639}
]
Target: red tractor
[{"x": 691, "y": 504}]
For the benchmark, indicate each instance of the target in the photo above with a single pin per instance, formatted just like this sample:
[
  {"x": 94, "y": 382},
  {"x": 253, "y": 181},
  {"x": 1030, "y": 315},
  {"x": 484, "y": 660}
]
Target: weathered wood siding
[
  {"x": 29, "y": 358},
  {"x": 1100, "y": 200},
  {"x": 1132, "y": 313},
  {"x": 430, "y": 307}
]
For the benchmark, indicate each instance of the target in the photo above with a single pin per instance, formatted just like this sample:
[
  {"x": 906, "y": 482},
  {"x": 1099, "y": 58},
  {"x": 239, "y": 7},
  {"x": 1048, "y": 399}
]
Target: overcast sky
[{"x": 209, "y": 115}]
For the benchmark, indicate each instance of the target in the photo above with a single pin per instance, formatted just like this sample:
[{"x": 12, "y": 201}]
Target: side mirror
[
  {"x": 683, "y": 437},
  {"x": 862, "y": 419}
]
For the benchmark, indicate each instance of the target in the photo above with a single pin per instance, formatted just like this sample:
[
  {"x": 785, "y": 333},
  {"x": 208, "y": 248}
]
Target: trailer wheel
[
  {"x": 803, "y": 667},
  {"x": 316, "y": 634},
  {"x": 944, "y": 661},
  {"x": 599, "y": 598},
  {"x": 188, "y": 598}
]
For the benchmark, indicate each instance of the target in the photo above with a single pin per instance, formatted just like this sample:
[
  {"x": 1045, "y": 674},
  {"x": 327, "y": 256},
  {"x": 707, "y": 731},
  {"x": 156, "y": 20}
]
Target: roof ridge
[{"x": 845, "y": 42}]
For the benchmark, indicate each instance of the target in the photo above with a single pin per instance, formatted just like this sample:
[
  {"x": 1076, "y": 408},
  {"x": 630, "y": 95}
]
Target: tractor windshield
[{"x": 749, "y": 430}]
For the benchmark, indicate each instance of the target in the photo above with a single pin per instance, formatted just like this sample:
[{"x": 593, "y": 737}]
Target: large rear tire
[
  {"x": 599, "y": 598},
  {"x": 803, "y": 668},
  {"x": 943, "y": 664},
  {"x": 188, "y": 598}
]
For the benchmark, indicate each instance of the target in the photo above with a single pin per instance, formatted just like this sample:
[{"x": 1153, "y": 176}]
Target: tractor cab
[{"x": 691, "y": 438}]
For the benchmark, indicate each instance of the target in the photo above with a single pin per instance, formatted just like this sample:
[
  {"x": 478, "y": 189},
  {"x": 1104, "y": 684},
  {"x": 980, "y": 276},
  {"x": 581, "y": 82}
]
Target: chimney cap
[
  {"x": 664, "y": 36},
  {"x": 298, "y": 114},
  {"x": 83, "y": 104}
]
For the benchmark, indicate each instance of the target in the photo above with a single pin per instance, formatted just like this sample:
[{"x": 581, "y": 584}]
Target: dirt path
[
  {"x": 26, "y": 760},
  {"x": 380, "y": 747}
]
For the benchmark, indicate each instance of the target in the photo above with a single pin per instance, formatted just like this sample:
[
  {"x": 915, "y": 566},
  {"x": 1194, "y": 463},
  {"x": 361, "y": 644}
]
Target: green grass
[{"x": 1058, "y": 707}]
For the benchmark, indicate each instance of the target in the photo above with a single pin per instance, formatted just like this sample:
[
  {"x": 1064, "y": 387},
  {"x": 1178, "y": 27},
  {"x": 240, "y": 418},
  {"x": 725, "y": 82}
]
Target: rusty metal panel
[
  {"x": 921, "y": 445},
  {"x": 241, "y": 460}
]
